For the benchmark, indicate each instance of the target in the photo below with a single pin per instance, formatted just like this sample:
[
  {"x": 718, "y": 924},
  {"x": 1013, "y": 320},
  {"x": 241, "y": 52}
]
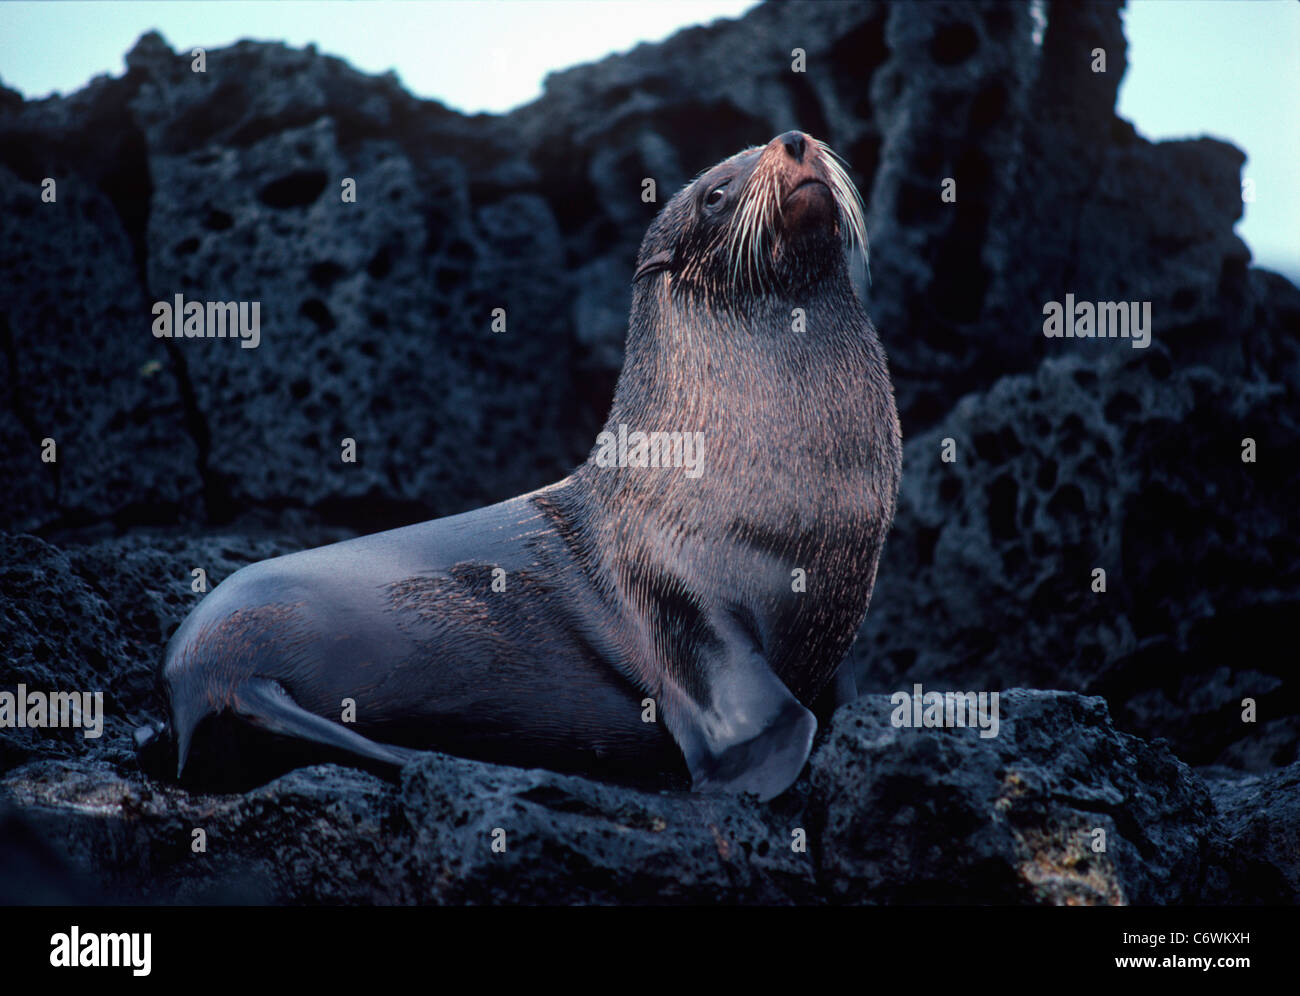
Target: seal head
[{"x": 776, "y": 217}]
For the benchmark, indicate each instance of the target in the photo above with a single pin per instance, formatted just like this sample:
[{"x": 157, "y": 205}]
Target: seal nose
[{"x": 795, "y": 144}]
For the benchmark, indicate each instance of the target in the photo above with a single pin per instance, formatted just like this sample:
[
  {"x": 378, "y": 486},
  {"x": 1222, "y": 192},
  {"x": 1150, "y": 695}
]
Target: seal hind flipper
[
  {"x": 752, "y": 736},
  {"x": 265, "y": 703}
]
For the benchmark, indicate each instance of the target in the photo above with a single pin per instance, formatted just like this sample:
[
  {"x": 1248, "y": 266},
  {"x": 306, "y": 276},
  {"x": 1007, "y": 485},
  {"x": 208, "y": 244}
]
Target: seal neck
[{"x": 691, "y": 357}]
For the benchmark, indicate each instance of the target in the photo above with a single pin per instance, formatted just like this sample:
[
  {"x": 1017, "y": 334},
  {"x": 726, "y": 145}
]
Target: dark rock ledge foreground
[
  {"x": 889, "y": 816},
  {"x": 173, "y": 457}
]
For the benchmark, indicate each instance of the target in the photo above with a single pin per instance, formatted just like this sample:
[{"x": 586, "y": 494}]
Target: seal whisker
[{"x": 847, "y": 201}]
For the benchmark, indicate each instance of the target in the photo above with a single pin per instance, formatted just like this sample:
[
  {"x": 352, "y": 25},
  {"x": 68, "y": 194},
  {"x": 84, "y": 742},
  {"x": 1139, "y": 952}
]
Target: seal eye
[{"x": 716, "y": 196}]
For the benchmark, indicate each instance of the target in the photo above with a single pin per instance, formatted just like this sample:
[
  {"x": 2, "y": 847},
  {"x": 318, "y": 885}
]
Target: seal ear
[{"x": 659, "y": 261}]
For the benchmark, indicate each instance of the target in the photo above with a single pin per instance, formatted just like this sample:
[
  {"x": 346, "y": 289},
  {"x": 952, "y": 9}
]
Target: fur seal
[{"x": 621, "y": 582}]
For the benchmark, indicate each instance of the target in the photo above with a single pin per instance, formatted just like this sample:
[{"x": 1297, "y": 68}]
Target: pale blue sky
[{"x": 1227, "y": 68}]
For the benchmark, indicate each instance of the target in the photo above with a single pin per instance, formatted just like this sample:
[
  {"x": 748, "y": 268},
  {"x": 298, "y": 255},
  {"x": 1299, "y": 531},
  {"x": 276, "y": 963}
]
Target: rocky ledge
[{"x": 1058, "y": 808}]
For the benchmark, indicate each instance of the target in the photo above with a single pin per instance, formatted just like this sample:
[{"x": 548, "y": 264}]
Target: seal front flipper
[{"x": 751, "y": 735}]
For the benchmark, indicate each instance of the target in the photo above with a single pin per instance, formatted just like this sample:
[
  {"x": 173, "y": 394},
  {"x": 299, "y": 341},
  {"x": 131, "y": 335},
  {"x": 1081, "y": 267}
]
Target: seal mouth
[{"x": 811, "y": 181}]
